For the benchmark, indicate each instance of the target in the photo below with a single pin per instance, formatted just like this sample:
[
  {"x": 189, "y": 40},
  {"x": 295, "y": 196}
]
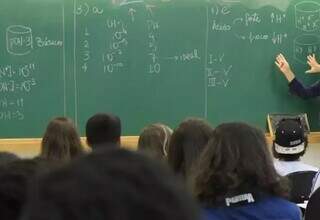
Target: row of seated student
[
  {"x": 228, "y": 170},
  {"x": 191, "y": 136},
  {"x": 289, "y": 146}
]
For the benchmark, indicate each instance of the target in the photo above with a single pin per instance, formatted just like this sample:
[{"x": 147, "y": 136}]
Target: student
[
  {"x": 61, "y": 141},
  {"x": 6, "y": 157},
  {"x": 154, "y": 140},
  {"x": 289, "y": 145},
  {"x": 103, "y": 129},
  {"x": 112, "y": 184},
  {"x": 296, "y": 87},
  {"x": 235, "y": 177},
  {"x": 187, "y": 142},
  {"x": 14, "y": 181}
]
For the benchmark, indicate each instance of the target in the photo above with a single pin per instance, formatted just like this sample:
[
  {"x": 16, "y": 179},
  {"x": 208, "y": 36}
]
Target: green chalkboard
[{"x": 150, "y": 61}]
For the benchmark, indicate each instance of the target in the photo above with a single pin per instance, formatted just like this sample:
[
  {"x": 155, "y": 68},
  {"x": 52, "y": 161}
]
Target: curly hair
[{"x": 236, "y": 160}]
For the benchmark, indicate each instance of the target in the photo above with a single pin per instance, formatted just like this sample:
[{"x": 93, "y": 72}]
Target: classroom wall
[
  {"x": 312, "y": 155},
  {"x": 28, "y": 148}
]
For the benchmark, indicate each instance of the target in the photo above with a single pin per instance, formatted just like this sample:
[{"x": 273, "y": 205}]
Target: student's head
[
  {"x": 6, "y": 157},
  {"x": 110, "y": 185},
  {"x": 236, "y": 160},
  {"x": 154, "y": 140},
  {"x": 14, "y": 181},
  {"x": 103, "y": 128},
  {"x": 61, "y": 140},
  {"x": 290, "y": 142},
  {"x": 187, "y": 142}
]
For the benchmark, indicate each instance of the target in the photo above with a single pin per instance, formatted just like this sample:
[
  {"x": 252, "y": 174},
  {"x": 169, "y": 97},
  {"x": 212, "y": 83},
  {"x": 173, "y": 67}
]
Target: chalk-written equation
[
  {"x": 27, "y": 48},
  {"x": 242, "y": 28},
  {"x": 112, "y": 58},
  {"x": 248, "y": 21},
  {"x": 16, "y": 81},
  {"x": 117, "y": 32},
  {"x": 218, "y": 72},
  {"x": 223, "y": 20},
  {"x": 114, "y": 46},
  {"x": 306, "y": 19},
  {"x": 153, "y": 45}
]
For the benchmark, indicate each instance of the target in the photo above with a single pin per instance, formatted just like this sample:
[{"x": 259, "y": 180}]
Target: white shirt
[
  {"x": 316, "y": 183},
  {"x": 286, "y": 167}
]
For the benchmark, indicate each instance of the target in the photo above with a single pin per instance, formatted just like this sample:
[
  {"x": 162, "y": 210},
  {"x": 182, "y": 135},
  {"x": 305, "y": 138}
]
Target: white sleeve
[{"x": 316, "y": 183}]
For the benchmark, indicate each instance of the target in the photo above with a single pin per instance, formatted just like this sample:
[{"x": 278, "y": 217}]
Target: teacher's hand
[
  {"x": 284, "y": 67},
  {"x": 314, "y": 65}
]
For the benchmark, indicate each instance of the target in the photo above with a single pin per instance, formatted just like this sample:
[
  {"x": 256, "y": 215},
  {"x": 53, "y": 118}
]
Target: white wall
[{"x": 312, "y": 155}]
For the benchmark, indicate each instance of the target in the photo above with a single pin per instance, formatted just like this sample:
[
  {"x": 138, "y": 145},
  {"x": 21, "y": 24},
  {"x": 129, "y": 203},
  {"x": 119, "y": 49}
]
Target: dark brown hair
[
  {"x": 236, "y": 160},
  {"x": 154, "y": 140},
  {"x": 61, "y": 140},
  {"x": 187, "y": 142},
  {"x": 110, "y": 184}
]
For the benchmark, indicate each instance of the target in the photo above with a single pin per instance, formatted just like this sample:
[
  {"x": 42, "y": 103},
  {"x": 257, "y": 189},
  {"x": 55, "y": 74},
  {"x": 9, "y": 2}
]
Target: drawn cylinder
[
  {"x": 304, "y": 45},
  {"x": 19, "y": 40},
  {"x": 307, "y": 16}
]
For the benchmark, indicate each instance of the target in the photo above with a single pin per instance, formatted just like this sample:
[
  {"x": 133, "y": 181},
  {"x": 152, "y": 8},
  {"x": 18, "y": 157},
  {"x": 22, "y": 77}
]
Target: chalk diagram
[
  {"x": 304, "y": 45},
  {"x": 307, "y": 19},
  {"x": 307, "y": 16},
  {"x": 19, "y": 40}
]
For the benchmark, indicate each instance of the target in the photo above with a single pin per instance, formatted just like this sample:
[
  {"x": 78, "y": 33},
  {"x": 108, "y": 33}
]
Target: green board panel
[
  {"x": 152, "y": 61},
  {"x": 32, "y": 76}
]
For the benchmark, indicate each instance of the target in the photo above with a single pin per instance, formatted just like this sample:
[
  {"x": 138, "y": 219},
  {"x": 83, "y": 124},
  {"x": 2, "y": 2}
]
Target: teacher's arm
[{"x": 295, "y": 86}]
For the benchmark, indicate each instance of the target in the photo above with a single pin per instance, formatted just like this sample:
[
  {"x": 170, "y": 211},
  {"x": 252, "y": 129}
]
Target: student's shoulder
[
  {"x": 279, "y": 201},
  {"x": 285, "y": 206},
  {"x": 309, "y": 167},
  {"x": 316, "y": 182},
  {"x": 281, "y": 167}
]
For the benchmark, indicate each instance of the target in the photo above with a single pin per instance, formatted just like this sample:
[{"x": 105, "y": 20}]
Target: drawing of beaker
[
  {"x": 19, "y": 40},
  {"x": 305, "y": 45},
  {"x": 307, "y": 15}
]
